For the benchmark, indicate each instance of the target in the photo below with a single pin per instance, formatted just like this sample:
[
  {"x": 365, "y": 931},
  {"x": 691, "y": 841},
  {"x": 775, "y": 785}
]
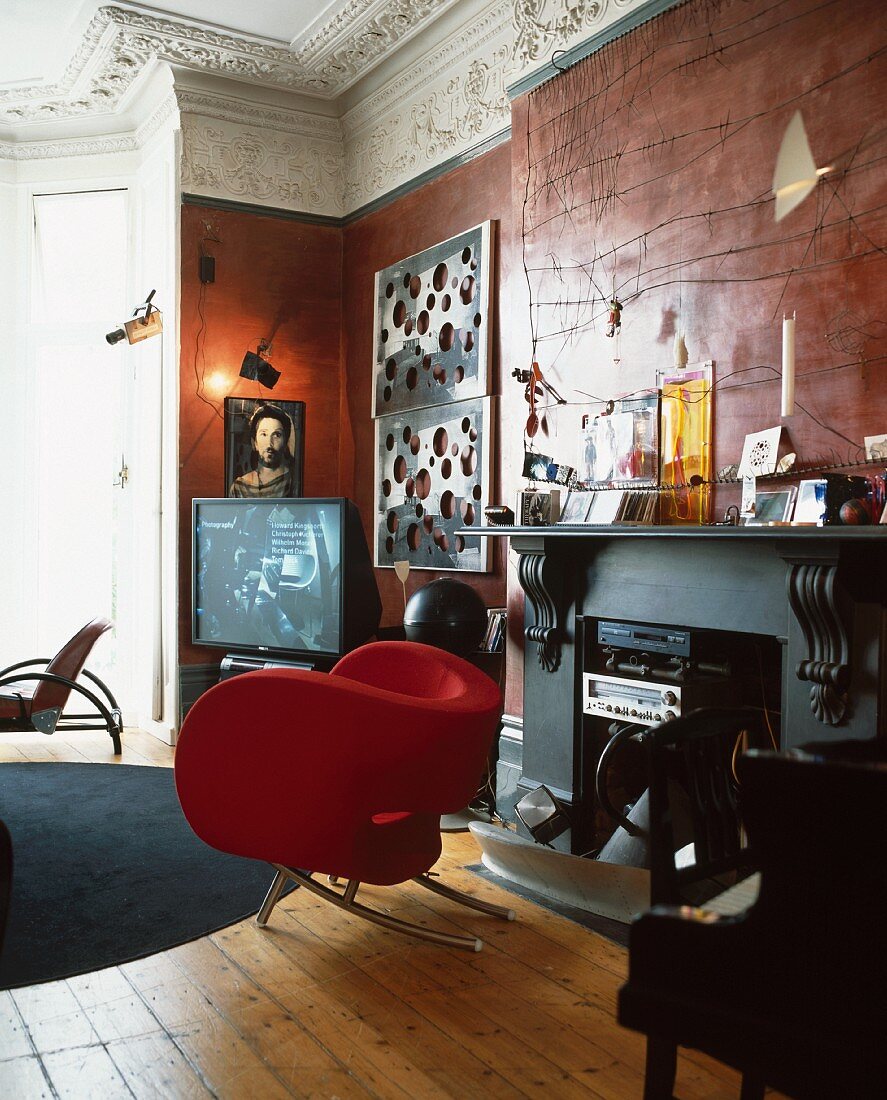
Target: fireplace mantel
[
  {"x": 814, "y": 555},
  {"x": 820, "y": 592}
]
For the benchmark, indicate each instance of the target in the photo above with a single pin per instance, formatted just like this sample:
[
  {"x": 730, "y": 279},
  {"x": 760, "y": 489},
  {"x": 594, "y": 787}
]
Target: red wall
[
  {"x": 320, "y": 282},
  {"x": 277, "y": 279},
  {"x": 661, "y": 149},
  {"x": 648, "y": 168},
  {"x": 475, "y": 192}
]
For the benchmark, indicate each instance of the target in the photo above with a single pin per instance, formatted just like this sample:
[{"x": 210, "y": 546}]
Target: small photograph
[
  {"x": 876, "y": 448},
  {"x": 536, "y": 466},
  {"x": 772, "y": 507},
  {"x": 538, "y": 508},
  {"x": 577, "y": 507},
  {"x": 810, "y": 507}
]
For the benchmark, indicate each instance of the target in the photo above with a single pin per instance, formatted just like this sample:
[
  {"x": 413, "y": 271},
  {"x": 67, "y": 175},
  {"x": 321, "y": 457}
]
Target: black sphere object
[{"x": 448, "y": 614}]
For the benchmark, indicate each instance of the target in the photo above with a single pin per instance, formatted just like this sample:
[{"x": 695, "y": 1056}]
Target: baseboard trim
[{"x": 194, "y": 680}]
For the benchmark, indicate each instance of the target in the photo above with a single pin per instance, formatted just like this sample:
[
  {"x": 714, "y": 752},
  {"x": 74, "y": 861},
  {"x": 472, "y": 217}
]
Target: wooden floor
[{"x": 320, "y": 1004}]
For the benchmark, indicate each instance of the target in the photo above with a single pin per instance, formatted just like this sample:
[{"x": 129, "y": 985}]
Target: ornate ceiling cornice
[
  {"x": 119, "y": 43},
  {"x": 130, "y": 142},
  {"x": 448, "y": 99},
  {"x": 281, "y": 119},
  {"x": 362, "y": 33},
  {"x": 75, "y": 147}
]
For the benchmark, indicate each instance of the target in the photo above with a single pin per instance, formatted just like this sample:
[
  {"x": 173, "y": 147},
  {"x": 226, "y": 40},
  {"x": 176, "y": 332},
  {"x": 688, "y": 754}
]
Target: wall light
[
  {"x": 796, "y": 173},
  {"x": 258, "y": 369},
  {"x": 216, "y": 383}
]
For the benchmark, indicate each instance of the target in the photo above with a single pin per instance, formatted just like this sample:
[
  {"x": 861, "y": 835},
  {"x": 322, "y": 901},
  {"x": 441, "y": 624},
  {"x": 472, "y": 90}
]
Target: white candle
[{"x": 788, "y": 365}]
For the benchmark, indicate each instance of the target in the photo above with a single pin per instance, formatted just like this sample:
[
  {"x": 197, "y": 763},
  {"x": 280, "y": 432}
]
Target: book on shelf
[{"x": 494, "y": 636}]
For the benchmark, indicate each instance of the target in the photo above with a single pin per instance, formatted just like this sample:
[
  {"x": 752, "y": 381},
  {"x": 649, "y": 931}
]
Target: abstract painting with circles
[
  {"x": 432, "y": 325},
  {"x": 433, "y": 477}
]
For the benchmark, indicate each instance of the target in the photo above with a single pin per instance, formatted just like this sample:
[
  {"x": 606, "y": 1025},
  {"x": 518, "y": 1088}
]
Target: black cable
[{"x": 200, "y": 352}]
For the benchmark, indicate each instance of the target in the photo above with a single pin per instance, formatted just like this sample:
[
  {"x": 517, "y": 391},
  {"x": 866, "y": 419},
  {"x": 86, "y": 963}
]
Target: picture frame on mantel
[
  {"x": 249, "y": 473},
  {"x": 432, "y": 325}
]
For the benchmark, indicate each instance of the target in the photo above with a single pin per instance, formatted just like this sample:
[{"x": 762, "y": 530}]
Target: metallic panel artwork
[
  {"x": 432, "y": 325},
  {"x": 432, "y": 479}
]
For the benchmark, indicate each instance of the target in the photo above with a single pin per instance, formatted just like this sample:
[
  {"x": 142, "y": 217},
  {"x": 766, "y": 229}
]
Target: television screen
[{"x": 284, "y": 576}]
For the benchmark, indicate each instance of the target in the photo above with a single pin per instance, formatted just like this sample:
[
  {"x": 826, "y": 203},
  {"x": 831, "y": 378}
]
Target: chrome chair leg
[
  {"x": 272, "y": 897},
  {"x": 467, "y": 900},
  {"x": 346, "y": 901}
]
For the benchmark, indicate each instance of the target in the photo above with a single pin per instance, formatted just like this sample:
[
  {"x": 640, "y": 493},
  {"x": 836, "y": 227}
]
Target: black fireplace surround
[{"x": 816, "y": 595}]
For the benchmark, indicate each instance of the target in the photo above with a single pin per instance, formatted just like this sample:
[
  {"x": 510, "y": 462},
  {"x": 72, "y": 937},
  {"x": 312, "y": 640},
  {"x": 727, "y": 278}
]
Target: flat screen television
[{"x": 286, "y": 577}]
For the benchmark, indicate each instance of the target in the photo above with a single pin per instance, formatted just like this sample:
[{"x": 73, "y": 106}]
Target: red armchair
[
  {"x": 346, "y": 774},
  {"x": 37, "y": 700}
]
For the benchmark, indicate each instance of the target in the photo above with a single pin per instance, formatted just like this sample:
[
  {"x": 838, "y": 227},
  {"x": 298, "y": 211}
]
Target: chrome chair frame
[{"x": 346, "y": 901}]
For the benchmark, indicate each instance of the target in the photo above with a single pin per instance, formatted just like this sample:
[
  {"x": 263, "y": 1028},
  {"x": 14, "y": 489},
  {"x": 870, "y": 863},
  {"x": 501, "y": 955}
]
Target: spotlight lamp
[
  {"x": 257, "y": 368},
  {"x": 146, "y": 320}
]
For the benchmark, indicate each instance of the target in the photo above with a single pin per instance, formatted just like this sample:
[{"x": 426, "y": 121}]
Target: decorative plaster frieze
[
  {"x": 490, "y": 28},
  {"x": 542, "y": 27},
  {"x": 454, "y": 99},
  {"x": 442, "y": 106},
  {"x": 226, "y": 160},
  {"x": 470, "y": 107}
]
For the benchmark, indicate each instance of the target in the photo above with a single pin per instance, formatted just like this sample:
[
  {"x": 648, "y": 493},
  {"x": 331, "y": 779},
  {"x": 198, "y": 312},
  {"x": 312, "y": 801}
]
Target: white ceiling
[{"x": 39, "y": 37}]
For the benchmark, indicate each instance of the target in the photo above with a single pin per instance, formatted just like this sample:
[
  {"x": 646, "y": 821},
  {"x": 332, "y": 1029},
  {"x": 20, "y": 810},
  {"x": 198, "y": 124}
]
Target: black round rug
[{"x": 106, "y": 869}]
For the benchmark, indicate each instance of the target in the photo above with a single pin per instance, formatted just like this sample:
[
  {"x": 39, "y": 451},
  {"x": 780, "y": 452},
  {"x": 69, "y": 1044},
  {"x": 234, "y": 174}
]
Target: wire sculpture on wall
[{"x": 649, "y": 183}]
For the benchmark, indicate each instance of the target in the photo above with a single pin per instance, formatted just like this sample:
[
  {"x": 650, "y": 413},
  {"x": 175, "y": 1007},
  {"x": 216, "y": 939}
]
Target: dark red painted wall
[
  {"x": 278, "y": 279},
  {"x": 648, "y": 169},
  {"x": 675, "y": 129},
  {"x": 475, "y": 192}
]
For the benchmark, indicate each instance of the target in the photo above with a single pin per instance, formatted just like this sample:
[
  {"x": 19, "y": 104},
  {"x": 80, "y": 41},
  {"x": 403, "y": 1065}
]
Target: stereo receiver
[
  {"x": 647, "y": 703},
  {"x": 638, "y": 701}
]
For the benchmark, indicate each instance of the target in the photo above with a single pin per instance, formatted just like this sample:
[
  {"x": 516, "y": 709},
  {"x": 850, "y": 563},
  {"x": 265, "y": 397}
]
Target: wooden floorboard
[{"x": 323, "y": 1004}]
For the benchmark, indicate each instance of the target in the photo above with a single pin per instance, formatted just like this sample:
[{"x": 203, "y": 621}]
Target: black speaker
[{"x": 448, "y": 614}]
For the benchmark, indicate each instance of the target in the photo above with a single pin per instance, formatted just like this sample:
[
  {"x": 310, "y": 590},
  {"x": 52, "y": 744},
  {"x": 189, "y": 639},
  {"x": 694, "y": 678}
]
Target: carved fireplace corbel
[
  {"x": 541, "y": 581},
  {"x": 814, "y": 597}
]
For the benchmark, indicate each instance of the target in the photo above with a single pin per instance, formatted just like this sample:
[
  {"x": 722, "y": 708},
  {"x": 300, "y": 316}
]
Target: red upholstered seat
[{"x": 346, "y": 774}]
